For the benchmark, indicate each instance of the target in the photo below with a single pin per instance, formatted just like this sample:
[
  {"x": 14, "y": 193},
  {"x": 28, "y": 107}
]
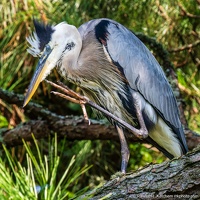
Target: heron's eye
[{"x": 48, "y": 48}]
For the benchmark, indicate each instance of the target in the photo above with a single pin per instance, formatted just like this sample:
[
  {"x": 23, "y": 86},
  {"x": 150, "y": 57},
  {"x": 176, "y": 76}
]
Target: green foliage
[
  {"x": 142, "y": 155},
  {"x": 3, "y": 121},
  {"x": 39, "y": 178}
]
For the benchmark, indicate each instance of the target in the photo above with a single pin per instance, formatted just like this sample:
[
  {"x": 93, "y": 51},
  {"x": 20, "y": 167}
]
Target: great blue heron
[{"x": 116, "y": 70}]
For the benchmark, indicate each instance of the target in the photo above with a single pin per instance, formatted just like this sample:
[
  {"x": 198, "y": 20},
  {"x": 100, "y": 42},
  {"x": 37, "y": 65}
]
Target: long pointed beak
[{"x": 37, "y": 77}]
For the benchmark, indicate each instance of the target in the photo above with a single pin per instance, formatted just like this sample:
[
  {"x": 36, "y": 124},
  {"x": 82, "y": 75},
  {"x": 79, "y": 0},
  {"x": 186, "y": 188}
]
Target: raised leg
[
  {"x": 77, "y": 98},
  {"x": 124, "y": 149}
]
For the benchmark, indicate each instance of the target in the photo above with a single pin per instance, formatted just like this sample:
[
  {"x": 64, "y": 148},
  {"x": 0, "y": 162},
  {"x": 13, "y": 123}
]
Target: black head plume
[{"x": 43, "y": 32}]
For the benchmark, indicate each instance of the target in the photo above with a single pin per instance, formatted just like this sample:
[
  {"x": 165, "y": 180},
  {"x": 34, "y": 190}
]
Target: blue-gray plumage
[{"x": 116, "y": 70}]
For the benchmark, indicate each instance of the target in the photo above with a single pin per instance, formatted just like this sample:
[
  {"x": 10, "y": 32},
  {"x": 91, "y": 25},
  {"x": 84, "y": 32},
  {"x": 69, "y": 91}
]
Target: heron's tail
[{"x": 167, "y": 140}]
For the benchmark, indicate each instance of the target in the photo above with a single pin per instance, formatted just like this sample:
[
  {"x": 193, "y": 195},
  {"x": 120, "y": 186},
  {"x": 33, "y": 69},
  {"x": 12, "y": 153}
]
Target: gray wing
[
  {"x": 142, "y": 71},
  {"x": 144, "y": 74}
]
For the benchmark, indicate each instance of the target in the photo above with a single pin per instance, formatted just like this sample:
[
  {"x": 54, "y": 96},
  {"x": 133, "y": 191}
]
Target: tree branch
[
  {"x": 188, "y": 46},
  {"x": 32, "y": 110},
  {"x": 73, "y": 128},
  {"x": 186, "y": 12},
  {"x": 174, "y": 179}
]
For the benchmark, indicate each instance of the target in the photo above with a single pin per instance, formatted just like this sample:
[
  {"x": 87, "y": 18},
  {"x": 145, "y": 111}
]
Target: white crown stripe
[{"x": 34, "y": 42}]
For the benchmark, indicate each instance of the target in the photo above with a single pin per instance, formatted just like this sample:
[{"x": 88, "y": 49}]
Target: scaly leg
[{"x": 124, "y": 149}]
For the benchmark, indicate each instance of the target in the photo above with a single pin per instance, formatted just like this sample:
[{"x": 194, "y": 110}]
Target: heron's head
[{"x": 50, "y": 44}]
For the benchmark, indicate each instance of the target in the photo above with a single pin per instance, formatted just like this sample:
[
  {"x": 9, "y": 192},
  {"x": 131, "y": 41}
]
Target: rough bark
[
  {"x": 73, "y": 128},
  {"x": 174, "y": 179}
]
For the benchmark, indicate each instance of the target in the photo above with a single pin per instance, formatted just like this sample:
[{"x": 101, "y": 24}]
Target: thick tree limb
[
  {"x": 175, "y": 179},
  {"x": 73, "y": 128}
]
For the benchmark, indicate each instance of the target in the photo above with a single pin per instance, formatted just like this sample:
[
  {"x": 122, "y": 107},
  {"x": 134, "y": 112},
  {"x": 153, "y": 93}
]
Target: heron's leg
[
  {"x": 143, "y": 132},
  {"x": 124, "y": 149},
  {"x": 77, "y": 98}
]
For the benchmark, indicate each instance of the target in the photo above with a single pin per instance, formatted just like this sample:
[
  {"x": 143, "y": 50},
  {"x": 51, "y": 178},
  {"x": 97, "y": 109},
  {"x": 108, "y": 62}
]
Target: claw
[{"x": 71, "y": 96}]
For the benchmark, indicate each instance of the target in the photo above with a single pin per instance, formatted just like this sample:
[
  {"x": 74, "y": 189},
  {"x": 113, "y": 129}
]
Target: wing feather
[
  {"x": 144, "y": 75},
  {"x": 142, "y": 71}
]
